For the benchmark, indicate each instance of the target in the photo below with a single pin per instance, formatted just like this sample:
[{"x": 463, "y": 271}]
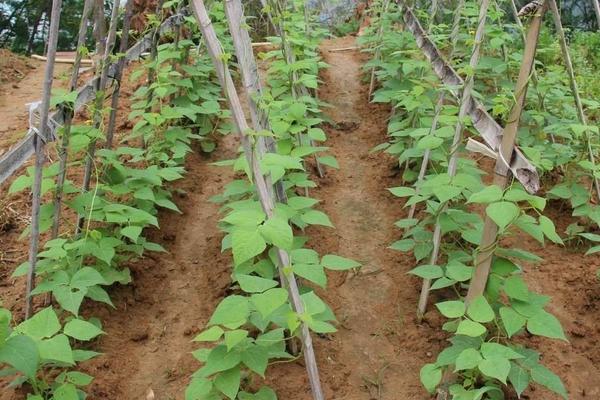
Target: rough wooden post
[
  {"x": 215, "y": 52},
  {"x": 573, "y": 82},
  {"x": 596, "y": 4},
  {"x": 379, "y": 37},
  {"x": 40, "y": 139},
  {"x": 458, "y": 137},
  {"x": 501, "y": 170},
  {"x": 123, "y": 46},
  {"x": 68, "y": 113}
]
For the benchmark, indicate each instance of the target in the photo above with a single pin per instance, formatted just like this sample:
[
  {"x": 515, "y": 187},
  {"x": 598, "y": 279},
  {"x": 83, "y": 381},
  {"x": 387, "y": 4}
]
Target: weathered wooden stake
[
  {"x": 69, "y": 113},
  {"x": 596, "y": 4},
  {"x": 573, "y": 82},
  {"x": 379, "y": 38},
  {"x": 215, "y": 52},
  {"x": 40, "y": 139},
  {"x": 507, "y": 147},
  {"x": 458, "y": 138}
]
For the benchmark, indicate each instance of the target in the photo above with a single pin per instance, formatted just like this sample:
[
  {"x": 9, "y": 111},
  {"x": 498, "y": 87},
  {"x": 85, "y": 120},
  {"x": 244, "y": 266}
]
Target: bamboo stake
[
  {"x": 501, "y": 171},
  {"x": 123, "y": 46},
  {"x": 98, "y": 116},
  {"x": 573, "y": 82},
  {"x": 378, "y": 43},
  {"x": 68, "y": 112},
  {"x": 39, "y": 153},
  {"x": 596, "y": 4},
  {"x": 458, "y": 137},
  {"x": 440, "y": 103},
  {"x": 215, "y": 52}
]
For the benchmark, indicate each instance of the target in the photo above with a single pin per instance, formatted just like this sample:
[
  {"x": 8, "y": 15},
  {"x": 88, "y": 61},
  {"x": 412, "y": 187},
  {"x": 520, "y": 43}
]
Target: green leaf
[
  {"x": 470, "y": 328},
  {"x": 431, "y": 376},
  {"x": 86, "y": 277},
  {"x": 269, "y": 301},
  {"x": 132, "y": 232},
  {"x": 212, "y": 334},
  {"x": 231, "y": 311},
  {"x": 66, "y": 391},
  {"x": 219, "y": 359},
  {"x": 515, "y": 288},
  {"x": 232, "y": 338},
  {"x": 337, "y": 263},
  {"x": 545, "y": 324},
  {"x": 56, "y": 349},
  {"x": 493, "y": 350},
  {"x": 403, "y": 245},
  {"x": 452, "y": 309},
  {"x": 512, "y": 320},
  {"x": 547, "y": 378},
  {"x": 496, "y": 367},
  {"x": 402, "y": 191},
  {"x": 467, "y": 359},
  {"x": 79, "y": 378},
  {"x": 314, "y": 217},
  {"x": 489, "y": 194},
  {"x": 255, "y": 358},
  {"x": 198, "y": 388},
  {"x": 21, "y": 353},
  {"x": 479, "y": 310},
  {"x": 255, "y": 284},
  {"x": 429, "y": 142},
  {"x": 81, "y": 330},
  {"x": 503, "y": 213},
  {"x": 43, "y": 324},
  {"x": 68, "y": 299},
  {"x": 246, "y": 244},
  {"x": 428, "y": 271},
  {"x": 518, "y": 378},
  {"x": 277, "y": 230},
  {"x": 312, "y": 272},
  {"x": 549, "y": 229},
  {"x": 458, "y": 271},
  {"x": 228, "y": 382}
]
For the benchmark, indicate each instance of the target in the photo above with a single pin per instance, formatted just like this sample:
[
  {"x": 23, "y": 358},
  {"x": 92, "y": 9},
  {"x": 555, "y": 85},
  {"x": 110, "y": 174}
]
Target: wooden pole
[
  {"x": 458, "y": 137},
  {"x": 386, "y": 5},
  {"x": 39, "y": 153},
  {"x": 573, "y": 82},
  {"x": 501, "y": 171},
  {"x": 215, "y": 52},
  {"x": 68, "y": 112},
  {"x": 123, "y": 46},
  {"x": 596, "y": 4},
  {"x": 100, "y": 95}
]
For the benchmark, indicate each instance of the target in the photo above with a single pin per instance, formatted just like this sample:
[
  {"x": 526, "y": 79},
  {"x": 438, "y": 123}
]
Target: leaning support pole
[
  {"x": 216, "y": 53},
  {"x": 39, "y": 153},
  {"x": 69, "y": 113},
  {"x": 379, "y": 37},
  {"x": 501, "y": 172},
  {"x": 458, "y": 138},
  {"x": 98, "y": 116},
  {"x": 596, "y": 4},
  {"x": 114, "y": 102},
  {"x": 573, "y": 82}
]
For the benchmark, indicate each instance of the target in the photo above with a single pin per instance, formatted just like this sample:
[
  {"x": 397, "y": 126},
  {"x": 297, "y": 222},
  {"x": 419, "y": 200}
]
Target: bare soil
[{"x": 379, "y": 348}]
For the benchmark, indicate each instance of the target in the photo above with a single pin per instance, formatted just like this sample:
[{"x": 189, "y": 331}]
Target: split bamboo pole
[
  {"x": 69, "y": 113},
  {"x": 40, "y": 140},
  {"x": 215, "y": 52},
  {"x": 507, "y": 148},
  {"x": 98, "y": 117},
  {"x": 596, "y": 4},
  {"x": 118, "y": 77},
  {"x": 573, "y": 82},
  {"x": 454, "y": 151}
]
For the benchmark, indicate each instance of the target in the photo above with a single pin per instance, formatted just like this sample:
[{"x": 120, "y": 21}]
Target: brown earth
[{"x": 379, "y": 348}]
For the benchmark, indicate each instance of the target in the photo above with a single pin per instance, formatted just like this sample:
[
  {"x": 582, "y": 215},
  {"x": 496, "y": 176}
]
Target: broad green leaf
[
  {"x": 228, "y": 382},
  {"x": 85, "y": 277},
  {"x": 549, "y": 379},
  {"x": 255, "y": 284},
  {"x": 232, "y": 338},
  {"x": 515, "y": 288},
  {"x": 132, "y": 232},
  {"x": 231, "y": 311},
  {"x": 489, "y": 194},
  {"x": 277, "y": 230},
  {"x": 545, "y": 324},
  {"x": 496, "y": 367},
  {"x": 246, "y": 244},
  {"x": 66, "y": 391},
  {"x": 337, "y": 263},
  {"x": 403, "y": 245},
  {"x": 431, "y": 376},
  {"x": 198, "y": 388},
  {"x": 512, "y": 320},
  {"x": 503, "y": 213},
  {"x": 79, "y": 378},
  {"x": 470, "y": 328},
  {"x": 212, "y": 334},
  {"x": 56, "y": 349},
  {"x": 312, "y": 272},
  {"x": 428, "y": 271},
  {"x": 81, "y": 330},
  {"x": 479, "y": 310},
  {"x": 269, "y": 301},
  {"x": 314, "y": 217},
  {"x": 43, "y": 324},
  {"x": 493, "y": 350},
  {"x": 518, "y": 378},
  {"x": 452, "y": 309},
  {"x": 21, "y": 353},
  {"x": 429, "y": 142},
  {"x": 467, "y": 359},
  {"x": 68, "y": 299},
  {"x": 458, "y": 271},
  {"x": 549, "y": 229},
  {"x": 255, "y": 358},
  {"x": 219, "y": 359},
  {"x": 402, "y": 191}
]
